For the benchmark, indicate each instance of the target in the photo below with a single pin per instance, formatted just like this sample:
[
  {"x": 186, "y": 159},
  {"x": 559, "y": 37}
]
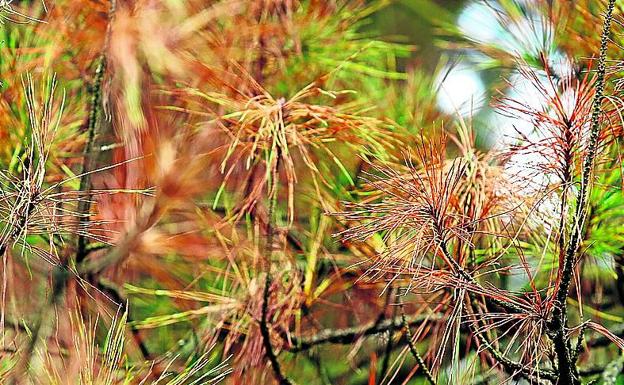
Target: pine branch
[
  {"x": 95, "y": 107},
  {"x": 388, "y": 351},
  {"x": 264, "y": 329},
  {"x": 419, "y": 360},
  {"x": 93, "y": 125},
  {"x": 567, "y": 368},
  {"x": 349, "y": 335}
]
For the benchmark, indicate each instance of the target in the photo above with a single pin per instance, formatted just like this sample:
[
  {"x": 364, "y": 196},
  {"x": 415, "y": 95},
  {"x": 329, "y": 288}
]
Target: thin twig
[
  {"x": 386, "y": 361},
  {"x": 121, "y": 300},
  {"x": 419, "y": 360},
  {"x": 349, "y": 335},
  {"x": 264, "y": 329},
  {"x": 95, "y": 107},
  {"x": 93, "y": 125}
]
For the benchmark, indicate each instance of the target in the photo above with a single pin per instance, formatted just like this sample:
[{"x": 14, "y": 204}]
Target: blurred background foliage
[{"x": 226, "y": 134}]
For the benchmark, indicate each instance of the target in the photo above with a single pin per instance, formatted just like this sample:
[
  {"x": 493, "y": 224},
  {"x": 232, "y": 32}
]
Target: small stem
[
  {"x": 121, "y": 300},
  {"x": 93, "y": 123},
  {"x": 419, "y": 360},
  {"x": 349, "y": 335},
  {"x": 386, "y": 361},
  {"x": 84, "y": 206},
  {"x": 264, "y": 329}
]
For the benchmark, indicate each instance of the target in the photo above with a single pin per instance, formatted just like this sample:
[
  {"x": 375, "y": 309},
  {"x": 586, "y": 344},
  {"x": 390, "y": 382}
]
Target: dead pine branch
[{"x": 568, "y": 371}]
